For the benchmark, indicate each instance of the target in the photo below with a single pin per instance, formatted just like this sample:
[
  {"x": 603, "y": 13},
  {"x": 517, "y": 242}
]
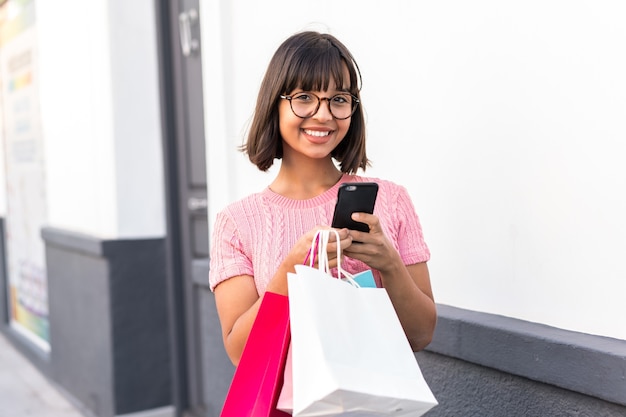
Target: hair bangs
[{"x": 316, "y": 67}]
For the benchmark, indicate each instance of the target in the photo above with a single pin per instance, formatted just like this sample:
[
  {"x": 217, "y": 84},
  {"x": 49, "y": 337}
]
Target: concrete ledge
[
  {"x": 109, "y": 332},
  {"x": 90, "y": 245},
  {"x": 591, "y": 365}
]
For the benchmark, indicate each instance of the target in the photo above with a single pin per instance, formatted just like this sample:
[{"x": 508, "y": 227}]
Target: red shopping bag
[{"x": 258, "y": 378}]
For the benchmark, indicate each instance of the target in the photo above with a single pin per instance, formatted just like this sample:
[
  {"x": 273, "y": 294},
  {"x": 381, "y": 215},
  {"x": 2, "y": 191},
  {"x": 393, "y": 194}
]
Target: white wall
[
  {"x": 100, "y": 117},
  {"x": 3, "y": 179},
  {"x": 507, "y": 126}
]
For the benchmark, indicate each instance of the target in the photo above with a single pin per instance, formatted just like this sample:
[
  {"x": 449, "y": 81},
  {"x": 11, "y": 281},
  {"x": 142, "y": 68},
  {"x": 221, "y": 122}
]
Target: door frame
[
  {"x": 201, "y": 370},
  {"x": 173, "y": 126}
]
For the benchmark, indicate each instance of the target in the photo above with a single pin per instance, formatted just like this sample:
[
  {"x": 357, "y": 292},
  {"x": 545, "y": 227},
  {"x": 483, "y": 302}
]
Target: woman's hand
[
  {"x": 299, "y": 254},
  {"x": 305, "y": 249},
  {"x": 373, "y": 248}
]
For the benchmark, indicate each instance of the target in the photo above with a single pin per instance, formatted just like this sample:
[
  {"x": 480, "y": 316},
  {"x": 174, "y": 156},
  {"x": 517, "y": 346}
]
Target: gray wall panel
[
  {"x": 584, "y": 363},
  {"x": 218, "y": 370},
  {"x": 108, "y": 321},
  {"x": 81, "y": 354},
  {"x": 464, "y": 389}
]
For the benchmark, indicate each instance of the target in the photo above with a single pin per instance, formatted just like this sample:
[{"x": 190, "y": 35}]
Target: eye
[
  {"x": 341, "y": 99},
  {"x": 303, "y": 97}
]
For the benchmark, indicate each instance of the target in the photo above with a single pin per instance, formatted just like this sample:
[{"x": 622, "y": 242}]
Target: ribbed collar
[{"x": 319, "y": 200}]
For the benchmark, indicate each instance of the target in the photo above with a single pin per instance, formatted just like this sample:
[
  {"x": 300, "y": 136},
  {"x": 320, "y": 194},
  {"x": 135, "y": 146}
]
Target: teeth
[{"x": 316, "y": 133}]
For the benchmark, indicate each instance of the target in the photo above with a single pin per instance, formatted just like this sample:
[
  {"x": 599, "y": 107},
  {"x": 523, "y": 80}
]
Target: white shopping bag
[{"x": 350, "y": 355}]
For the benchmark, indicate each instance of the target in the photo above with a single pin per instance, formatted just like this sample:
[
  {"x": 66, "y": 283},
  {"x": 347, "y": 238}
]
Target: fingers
[
  {"x": 345, "y": 240},
  {"x": 368, "y": 219},
  {"x": 343, "y": 235},
  {"x": 375, "y": 230}
]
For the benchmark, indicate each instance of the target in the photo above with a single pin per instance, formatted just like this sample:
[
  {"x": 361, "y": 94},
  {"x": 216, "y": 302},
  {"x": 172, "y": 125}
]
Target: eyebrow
[{"x": 338, "y": 90}]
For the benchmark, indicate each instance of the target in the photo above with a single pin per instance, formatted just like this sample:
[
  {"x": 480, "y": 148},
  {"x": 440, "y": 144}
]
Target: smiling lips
[
  {"x": 318, "y": 137},
  {"x": 317, "y": 133}
]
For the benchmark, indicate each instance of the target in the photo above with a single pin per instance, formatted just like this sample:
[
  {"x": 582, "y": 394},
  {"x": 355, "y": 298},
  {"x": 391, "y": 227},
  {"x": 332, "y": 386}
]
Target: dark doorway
[{"x": 201, "y": 370}]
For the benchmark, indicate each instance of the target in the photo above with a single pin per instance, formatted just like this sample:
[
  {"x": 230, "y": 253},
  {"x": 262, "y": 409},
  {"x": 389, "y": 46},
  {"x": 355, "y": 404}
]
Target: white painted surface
[
  {"x": 504, "y": 120},
  {"x": 101, "y": 121}
]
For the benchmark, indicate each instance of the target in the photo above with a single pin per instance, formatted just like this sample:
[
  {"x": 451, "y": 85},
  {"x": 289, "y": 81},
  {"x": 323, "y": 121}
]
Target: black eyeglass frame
[{"x": 355, "y": 104}]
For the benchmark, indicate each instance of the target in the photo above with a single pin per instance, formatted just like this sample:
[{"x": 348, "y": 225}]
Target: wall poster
[{"x": 25, "y": 174}]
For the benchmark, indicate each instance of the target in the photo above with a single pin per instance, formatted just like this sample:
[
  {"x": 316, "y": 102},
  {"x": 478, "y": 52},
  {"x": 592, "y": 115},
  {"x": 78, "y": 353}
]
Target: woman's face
[{"x": 314, "y": 137}]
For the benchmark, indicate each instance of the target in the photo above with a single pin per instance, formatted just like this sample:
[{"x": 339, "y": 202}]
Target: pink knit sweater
[{"x": 252, "y": 236}]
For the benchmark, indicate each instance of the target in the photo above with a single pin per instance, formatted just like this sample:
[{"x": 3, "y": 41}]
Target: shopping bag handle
[
  {"x": 319, "y": 251},
  {"x": 312, "y": 251}
]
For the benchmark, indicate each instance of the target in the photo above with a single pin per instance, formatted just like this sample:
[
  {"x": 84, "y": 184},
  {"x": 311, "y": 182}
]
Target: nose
[{"x": 323, "y": 112}]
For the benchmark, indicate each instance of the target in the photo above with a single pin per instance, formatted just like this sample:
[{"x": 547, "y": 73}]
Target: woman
[{"x": 309, "y": 115}]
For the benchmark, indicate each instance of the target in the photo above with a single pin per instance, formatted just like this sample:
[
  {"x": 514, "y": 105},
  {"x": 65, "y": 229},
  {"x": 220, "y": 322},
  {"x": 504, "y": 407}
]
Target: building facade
[{"x": 120, "y": 127}]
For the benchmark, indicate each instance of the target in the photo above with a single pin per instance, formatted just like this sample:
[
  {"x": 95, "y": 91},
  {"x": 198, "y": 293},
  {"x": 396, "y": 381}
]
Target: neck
[{"x": 304, "y": 180}]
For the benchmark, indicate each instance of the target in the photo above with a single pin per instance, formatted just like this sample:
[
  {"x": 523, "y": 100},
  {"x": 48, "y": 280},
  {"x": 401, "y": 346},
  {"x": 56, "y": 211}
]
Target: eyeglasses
[{"x": 305, "y": 104}]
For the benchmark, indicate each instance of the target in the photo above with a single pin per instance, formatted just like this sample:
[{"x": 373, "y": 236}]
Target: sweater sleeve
[
  {"x": 411, "y": 244},
  {"x": 228, "y": 258}
]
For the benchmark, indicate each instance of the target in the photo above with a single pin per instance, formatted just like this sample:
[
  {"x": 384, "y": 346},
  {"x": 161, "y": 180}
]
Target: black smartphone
[{"x": 354, "y": 197}]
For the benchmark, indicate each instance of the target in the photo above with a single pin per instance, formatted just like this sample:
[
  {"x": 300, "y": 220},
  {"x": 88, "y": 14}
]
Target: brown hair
[{"x": 306, "y": 60}]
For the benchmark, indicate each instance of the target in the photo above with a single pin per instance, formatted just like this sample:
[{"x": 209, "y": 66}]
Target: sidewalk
[{"x": 25, "y": 392}]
